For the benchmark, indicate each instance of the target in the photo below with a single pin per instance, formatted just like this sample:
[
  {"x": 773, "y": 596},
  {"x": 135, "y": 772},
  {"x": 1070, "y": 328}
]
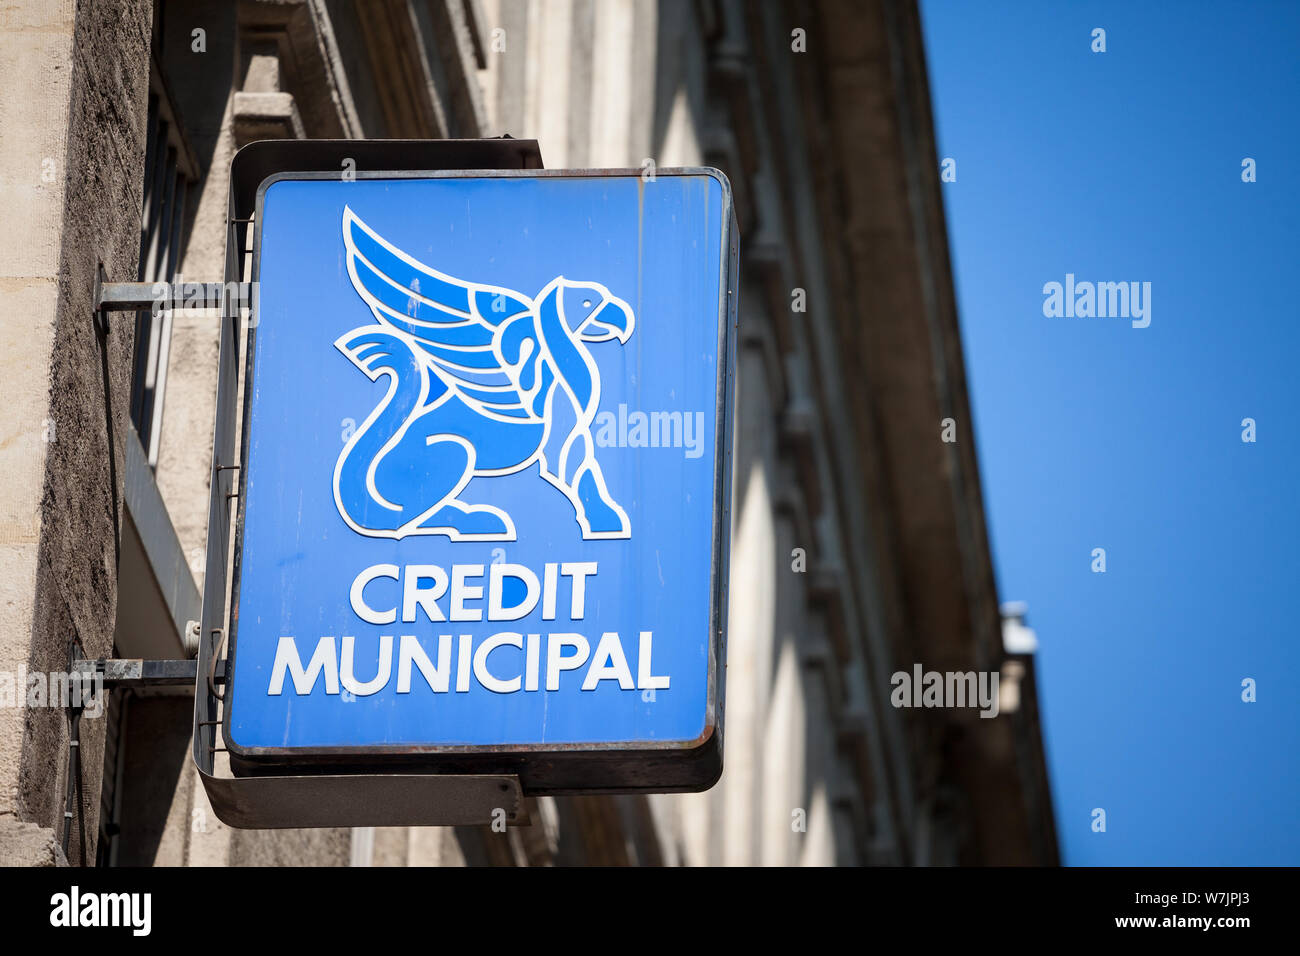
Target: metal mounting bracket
[
  {"x": 136, "y": 673},
  {"x": 133, "y": 296}
]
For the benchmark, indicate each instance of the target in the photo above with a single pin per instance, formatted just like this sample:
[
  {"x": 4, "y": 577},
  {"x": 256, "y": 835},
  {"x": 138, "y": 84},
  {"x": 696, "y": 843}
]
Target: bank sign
[{"x": 485, "y": 485}]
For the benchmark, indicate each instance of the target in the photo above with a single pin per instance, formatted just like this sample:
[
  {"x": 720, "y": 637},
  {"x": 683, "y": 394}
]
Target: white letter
[
  {"x": 460, "y": 592},
  {"x": 578, "y": 570},
  {"x": 359, "y": 605},
  {"x": 463, "y": 665},
  {"x": 533, "y": 658},
  {"x": 495, "y": 575},
  {"x": 555, "y": 662},
  {"x": 695, "y": 444},
  {"x": 1141, "y": 312},
  {"x": 644, "y": 679},
  {"x": 410, "y": 650},
  {"x": 413, "y": 594},
  {"x": 384, "y": 671},
  {"x": 325, "y": 660},
  {"x": 902, "y": 693},
  {"x": 59, "y": 915},
  {"x": 1052, "y": 304},
  {"x": 142, "y": 913},
  {"x": 548, "y": 595},
  {"x": 480, "y": 662},
  {"x": 609, "y": 649},
  {"x": 989, "y": 700}
]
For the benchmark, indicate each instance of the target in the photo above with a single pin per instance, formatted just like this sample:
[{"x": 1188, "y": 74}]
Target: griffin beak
[{"x": 613, "y": 320}]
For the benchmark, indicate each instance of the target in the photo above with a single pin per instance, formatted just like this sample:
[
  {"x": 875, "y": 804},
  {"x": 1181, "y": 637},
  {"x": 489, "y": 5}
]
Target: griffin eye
[{"x": 586, "y": 303}]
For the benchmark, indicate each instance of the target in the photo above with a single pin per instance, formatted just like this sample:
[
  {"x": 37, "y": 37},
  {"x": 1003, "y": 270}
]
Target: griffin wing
[{"x": 480, "y": 340}]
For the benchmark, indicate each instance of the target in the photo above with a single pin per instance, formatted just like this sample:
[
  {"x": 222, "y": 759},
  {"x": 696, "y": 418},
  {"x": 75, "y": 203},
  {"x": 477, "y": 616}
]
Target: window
[{"x": 170, "y": 170}]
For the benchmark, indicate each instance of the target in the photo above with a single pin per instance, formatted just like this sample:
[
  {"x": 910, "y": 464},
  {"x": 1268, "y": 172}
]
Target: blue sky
[{"x": 1126, "y": 166}]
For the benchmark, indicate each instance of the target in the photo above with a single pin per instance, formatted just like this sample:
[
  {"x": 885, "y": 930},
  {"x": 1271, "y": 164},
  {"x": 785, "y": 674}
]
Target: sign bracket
[
  {"x": 133, "y": 296},
  {"x": 136, "y": 673}
]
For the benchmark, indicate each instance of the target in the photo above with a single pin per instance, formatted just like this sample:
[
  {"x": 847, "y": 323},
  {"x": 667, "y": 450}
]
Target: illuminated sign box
[{"x": 484, "y": 505}]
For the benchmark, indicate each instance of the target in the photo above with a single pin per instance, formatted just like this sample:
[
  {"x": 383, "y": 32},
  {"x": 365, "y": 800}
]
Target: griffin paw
[
  {"x": 602, "y": 516},
  {"x": 468, "y": 520}
]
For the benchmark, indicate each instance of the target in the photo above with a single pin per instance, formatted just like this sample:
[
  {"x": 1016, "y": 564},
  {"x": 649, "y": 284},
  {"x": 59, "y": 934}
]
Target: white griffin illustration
[{"x": 483, "y": 381}]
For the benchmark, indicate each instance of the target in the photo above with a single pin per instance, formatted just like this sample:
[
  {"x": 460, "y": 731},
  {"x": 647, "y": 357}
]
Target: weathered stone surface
[
  {"x": 35, "y": 80},
  {"x": 29, "y": 844},
  {"x": 83, "y": 71}
]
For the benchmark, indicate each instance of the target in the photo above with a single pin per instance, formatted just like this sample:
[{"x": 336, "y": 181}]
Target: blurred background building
[{"x": 860, "y": 545}]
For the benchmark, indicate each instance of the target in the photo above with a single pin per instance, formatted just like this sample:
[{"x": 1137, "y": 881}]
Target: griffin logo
[{"x": 482, "y": 381}]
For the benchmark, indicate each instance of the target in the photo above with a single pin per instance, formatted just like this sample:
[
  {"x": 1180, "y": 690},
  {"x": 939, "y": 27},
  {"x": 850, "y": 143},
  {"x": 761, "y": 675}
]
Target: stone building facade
[{"x": 859, "y": 548}]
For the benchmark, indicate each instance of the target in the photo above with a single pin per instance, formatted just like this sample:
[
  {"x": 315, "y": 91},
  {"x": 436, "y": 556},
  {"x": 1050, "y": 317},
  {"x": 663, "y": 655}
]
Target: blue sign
[{"x": 486, "y": 476}]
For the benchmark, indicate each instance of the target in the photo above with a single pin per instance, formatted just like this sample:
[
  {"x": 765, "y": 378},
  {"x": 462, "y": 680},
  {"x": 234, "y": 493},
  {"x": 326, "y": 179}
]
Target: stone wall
[{"x": 73, "y": 116}]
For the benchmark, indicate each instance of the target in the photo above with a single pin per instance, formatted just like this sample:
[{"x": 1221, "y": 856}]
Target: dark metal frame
[{"x": 430, "y": 784}]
